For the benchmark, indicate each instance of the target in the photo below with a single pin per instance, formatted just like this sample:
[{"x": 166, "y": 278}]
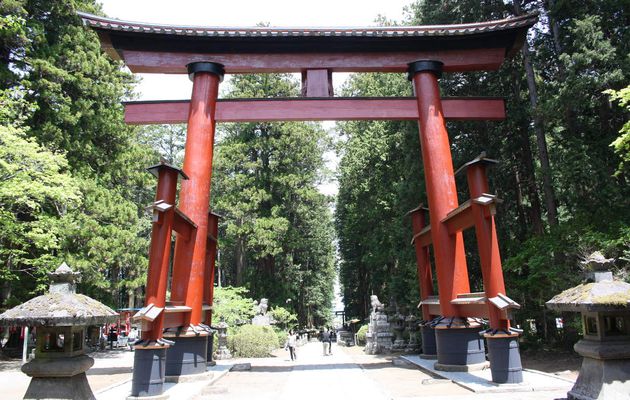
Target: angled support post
[
  {"x": 425, "y": 280},
  {"x": 150, "y": 354},
  {"x": 503, "y": 349},
  {"x": 188, "y": 355}
]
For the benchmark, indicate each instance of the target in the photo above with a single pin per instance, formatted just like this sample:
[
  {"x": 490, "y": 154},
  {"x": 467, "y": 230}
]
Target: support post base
[
  {"x": 505, "y": 359},
  {"x": 148, "y": 372},
  {"x": 187, "y": 356},
  {"x": 459, "y": 346},
  {"x": 429, "y": 348}
]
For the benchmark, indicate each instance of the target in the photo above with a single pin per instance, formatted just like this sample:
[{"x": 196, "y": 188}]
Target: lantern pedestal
[
  {"x": 209, "y": 361},
  {"x": 605, "y": 371},
  {"x": 58, "y": 378}
]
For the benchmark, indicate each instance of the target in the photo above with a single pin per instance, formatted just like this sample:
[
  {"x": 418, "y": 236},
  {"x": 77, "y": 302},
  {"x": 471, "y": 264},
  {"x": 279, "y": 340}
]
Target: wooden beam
[
  {"x": 460, "y": 218},
  {"x": 300, "y": 109},
  {"x": 163, "y": 62}
]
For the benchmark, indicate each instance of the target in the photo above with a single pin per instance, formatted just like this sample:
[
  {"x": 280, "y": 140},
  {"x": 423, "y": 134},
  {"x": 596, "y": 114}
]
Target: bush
[
  {"x": 231, "y": 305},
  {"x": 282, "y": 337},
  {"x": 361, "y": 335},
  {"x": 254, "y": 341},
  {"x": 284, "y": 318}
]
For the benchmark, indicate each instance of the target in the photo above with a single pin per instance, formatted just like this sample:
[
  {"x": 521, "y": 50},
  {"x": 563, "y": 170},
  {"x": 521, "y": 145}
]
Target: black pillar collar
[
  {"x": 433, "y": 66},
  {"x": 205, "y": 66}
]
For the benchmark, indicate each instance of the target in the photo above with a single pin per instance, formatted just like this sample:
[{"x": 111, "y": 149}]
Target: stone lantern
[
  {"x": 605, "y": 307},
  {"x": 60, "y": 317},
  {"x": 222, "y": 353}
]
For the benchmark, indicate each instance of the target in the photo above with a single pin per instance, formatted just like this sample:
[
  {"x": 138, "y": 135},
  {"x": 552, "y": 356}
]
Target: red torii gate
[{"x": 424, "y": 52}]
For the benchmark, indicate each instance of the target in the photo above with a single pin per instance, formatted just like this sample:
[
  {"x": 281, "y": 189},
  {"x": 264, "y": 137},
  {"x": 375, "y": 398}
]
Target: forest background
[{"x": 73, "y": 184}]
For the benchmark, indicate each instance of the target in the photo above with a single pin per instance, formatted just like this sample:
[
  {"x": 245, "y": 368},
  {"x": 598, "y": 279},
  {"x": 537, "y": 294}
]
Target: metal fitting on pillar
[
  {"x": 205, "y": 66},
  {"x": 432, "y": 66}
]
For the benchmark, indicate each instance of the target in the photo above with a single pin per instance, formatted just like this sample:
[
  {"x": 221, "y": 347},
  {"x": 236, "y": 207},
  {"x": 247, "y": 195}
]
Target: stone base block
[
  {"x": 461, "y": 368},
  {"x": 67, "y": 388},
  {"x": 190, "y": 378},
  {"x": 602, "y": 379}
]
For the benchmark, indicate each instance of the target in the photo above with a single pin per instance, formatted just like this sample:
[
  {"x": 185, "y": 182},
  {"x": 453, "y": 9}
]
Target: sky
[{"x": 247, "y": 13}]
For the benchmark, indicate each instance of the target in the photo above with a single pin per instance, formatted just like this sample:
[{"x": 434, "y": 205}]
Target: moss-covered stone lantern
[
  {"x": 60, "y": 318},
  {"x": 605, "y": 307}
]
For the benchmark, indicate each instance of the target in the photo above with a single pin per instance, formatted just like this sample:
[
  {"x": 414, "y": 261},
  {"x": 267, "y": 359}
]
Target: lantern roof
[
  {"x": 61, "y": 306},
  {"x": 606, "y": 295}
]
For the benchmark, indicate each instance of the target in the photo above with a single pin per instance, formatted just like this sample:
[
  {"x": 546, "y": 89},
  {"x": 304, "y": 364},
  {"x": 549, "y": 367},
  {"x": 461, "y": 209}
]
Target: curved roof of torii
[{"x": 127, "y": 41}]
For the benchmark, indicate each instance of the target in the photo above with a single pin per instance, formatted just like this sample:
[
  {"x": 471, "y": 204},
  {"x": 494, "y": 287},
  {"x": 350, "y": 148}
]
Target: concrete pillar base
[
  {"x": 457, "y": 346},
  {"x": 187, "y": 356},
  {"x": 148, "y": 372},
  {"x": 505, "y": 358},
  {"x": 429, "y": 348}
]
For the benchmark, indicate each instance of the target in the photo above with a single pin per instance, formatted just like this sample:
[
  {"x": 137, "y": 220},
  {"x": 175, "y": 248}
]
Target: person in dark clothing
[
  {"x": 330, "y": 340},
  {"x": 324, "y": 337}
]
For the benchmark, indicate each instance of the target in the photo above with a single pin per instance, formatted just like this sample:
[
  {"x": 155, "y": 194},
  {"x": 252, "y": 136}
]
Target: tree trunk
[
  {"x": 541, "y": 140},
  {"x": 239, "y": 255}
]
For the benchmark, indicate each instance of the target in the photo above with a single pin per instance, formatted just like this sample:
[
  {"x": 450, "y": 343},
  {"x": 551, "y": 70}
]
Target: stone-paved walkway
[{"x": 347, "y": 374}]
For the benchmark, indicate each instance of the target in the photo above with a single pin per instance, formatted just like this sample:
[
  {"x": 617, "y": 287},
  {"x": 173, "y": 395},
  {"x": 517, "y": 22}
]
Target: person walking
[
  {"x": 324, "y": 337},
  {"x": 291, "y": 344},
  {"x": 330, "y": 340}
]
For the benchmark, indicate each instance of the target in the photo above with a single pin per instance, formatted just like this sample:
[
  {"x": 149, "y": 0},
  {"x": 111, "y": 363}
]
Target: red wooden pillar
[
  {"x": 160, "y": 250},
  {"x": 194, "y": 199},
  {"x": 425, "y": 278},
  {"x": 211, "y": 255},
  {"x": 448, "y": 249},
  {"x": 487, "y": 241}
]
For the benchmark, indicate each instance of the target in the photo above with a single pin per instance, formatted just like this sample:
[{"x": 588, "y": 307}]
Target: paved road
[
  {"x": 311, "y": 376},
  {"x": 347, "y": 374}
]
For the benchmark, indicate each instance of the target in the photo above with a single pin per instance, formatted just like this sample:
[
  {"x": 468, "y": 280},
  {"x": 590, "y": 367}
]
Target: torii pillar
[
  {"x": 454, "y": 335},
  {"x": 188, "y": 354}
]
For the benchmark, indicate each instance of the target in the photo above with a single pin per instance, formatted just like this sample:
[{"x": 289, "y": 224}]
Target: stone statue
[
  {"x": 378, "y": 337},
  {"x": 376, "y": 304},
  {"x": 262, "y": 307},
  {"x": 260, "y": 311}
]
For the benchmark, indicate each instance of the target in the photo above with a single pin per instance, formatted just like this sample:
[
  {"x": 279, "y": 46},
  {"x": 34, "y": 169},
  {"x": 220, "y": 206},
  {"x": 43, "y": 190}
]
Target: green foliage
[
  {"x": 284, "y": 318},
  {"x": 231, "y": 305},
  {"x": 361, "y": 335},
  {"x": 36, "y": 192},
  {"x": 282, "y": 337},
  {"x": 577, "y": 52},
  {"x": 79, "y": 196},
  {"x": 622, "y": 143},
  {"x": 254, "y": 341},
  {"x": 276, "y": 238}
]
